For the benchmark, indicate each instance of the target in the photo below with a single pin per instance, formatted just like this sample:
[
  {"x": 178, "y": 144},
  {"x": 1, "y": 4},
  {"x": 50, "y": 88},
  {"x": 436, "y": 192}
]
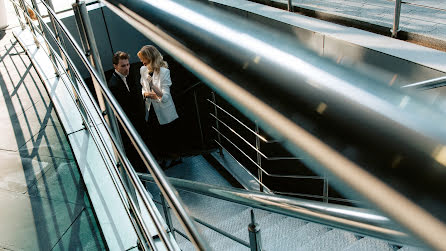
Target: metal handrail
[
  {"x": 243, "y": 124},
  {"x": 293, "y": 76},
  {"x": 261, "y": 168},
  {"x": 224, "y": 233},
  {"x": 163, "y": 184},
  {"x": 326, "y": 198},
  {"x": 428, "y": 84},
  {"x": 86, "y": 122},
  {"x": 250, "y": 145},
  {"x": 358, "y": 220},
  {"x": 244, "y": 168},
  {"x": 189, "y": 88}
]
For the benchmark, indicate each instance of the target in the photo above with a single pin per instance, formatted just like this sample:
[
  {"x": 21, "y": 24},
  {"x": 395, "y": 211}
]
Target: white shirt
[{"x": 123, "y": 79}]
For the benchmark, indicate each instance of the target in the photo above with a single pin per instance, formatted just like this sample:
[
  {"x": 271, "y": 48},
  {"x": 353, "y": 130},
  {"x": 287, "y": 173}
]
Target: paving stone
[
  {"x": 51, "y": 141},
  {"x": 34, "y": 223},
  {"x": 19, "y": 173},
  {"x": 61, "y": 182},
  {"x": 82, "y": 235}
]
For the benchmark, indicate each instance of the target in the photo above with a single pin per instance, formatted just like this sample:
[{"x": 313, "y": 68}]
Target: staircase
[{"x": 278, "y": 232}]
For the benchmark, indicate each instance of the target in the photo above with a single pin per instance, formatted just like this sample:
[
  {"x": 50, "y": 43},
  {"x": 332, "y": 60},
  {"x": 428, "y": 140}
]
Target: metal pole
[
  {"x": 29, "y": 22},
  {"x": 18, "y": 15},
  {"x": 62, "y": 42},
  {"x": 396, "y": 19},
  {"x": 89, "y": 43},
  {"x": 290, "y": 5},
  {"x": 217, "y": 124},
  {"x": 259, "y": 158},
  {"x": 255, "y": 241},
  {"x": 325, "y": 189},
  {"x": 50, "y": 52},
  {"x": 167, "y": 216},
  {"x": 199, "y": 119}
]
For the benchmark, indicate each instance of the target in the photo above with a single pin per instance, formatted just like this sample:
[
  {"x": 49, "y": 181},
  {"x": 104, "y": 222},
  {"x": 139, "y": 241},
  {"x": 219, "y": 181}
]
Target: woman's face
[{"x": 146, "y": 62}]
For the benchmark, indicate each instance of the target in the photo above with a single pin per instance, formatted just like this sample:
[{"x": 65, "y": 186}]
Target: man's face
[{"x": 123, "y": 66}]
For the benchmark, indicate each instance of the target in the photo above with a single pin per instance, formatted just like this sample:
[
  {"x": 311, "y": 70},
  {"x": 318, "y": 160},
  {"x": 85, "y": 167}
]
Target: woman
[{"x": 156, "y": 82}]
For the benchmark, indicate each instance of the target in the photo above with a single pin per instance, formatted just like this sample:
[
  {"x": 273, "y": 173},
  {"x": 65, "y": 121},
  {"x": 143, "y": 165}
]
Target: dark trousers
[{"x": 163, "y": 141}]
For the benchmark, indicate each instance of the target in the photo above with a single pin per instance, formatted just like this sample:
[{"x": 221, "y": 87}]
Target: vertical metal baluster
[
  {"x": 325, "y": 189},
  {"x": 259, "y": 158},
  {"x": 29, "y": 22},
  {"x": 396, "y": 19},
  {"x": 167, "y": 215},
  {"x": 22, "y": 25},
  {"x": 290, "y": 5},
  {"x": 199, "y": 120},
  {"x": 91, "y": 51},
  {"x": 217, "y": 124},
  {"x": 61, "y": 41},
  {"x": 89, "y": 44},
  {"x": 50, "y": 52},
  {"x": 255, "y": 239}
]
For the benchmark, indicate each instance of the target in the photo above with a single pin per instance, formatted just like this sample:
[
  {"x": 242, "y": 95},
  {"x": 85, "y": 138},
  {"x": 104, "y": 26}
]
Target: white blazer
[{"x": 164, "y": 108}]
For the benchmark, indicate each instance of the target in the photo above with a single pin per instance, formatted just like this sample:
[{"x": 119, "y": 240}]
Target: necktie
[{"x": 125, "y": 82}]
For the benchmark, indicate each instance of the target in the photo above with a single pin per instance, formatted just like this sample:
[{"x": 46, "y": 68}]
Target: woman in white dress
[{"x": 159, "y": 106}]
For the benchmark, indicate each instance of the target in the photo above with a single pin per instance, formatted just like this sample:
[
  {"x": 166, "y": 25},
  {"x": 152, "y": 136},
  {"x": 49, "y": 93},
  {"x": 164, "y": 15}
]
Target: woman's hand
[{"x": 151, "y": 95}]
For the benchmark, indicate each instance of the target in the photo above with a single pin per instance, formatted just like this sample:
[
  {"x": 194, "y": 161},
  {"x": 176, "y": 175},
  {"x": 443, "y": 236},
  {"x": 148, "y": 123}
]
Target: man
[{"x": 127, "y": 91}]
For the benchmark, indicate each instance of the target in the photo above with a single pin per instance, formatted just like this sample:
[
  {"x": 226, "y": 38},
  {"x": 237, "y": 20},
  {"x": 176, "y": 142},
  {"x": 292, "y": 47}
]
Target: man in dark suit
[{"x": 127, "y": 91}]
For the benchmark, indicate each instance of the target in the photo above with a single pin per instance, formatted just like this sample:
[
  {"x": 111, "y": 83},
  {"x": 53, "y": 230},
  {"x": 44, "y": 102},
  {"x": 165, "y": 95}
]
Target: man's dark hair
[{"x": 120, "y": 55}]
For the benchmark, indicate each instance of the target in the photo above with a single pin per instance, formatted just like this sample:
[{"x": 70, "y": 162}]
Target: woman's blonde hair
[{"x": 151, "y": 54}]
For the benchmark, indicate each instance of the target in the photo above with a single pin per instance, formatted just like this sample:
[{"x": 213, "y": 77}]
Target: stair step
[
  {"x": 368, "y": 243},
  {"x": 410, "y": 248},
  {"x": 290, "y": 233},
  {"x": 335, "y": 239}
]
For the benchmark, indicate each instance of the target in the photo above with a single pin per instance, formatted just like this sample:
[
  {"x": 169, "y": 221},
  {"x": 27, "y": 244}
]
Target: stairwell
[{"x": 278, "y": 232}]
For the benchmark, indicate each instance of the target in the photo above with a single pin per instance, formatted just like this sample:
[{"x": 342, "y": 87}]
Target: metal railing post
[
  {"x": 18, "y": 16},
  {"x": 217, "y": 124},
  {"x": 28, "y": 20},
  {"x": 290, "y": 5},
  {"x": 396, "y": 19},
  {"x": 167, "y": 215},
  {"x": 255, "y": 240},
  {"x": 199, "y": 119},
  {"x": 91, "y": 50},
  {"x": 325, "y": 189},
  {"x": 259, "y": 158},
  {"x": 52, "y": 58},
  {"x": 57, "y": 33}
]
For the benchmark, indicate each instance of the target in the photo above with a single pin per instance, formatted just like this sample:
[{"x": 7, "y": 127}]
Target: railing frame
[
  {"x": 244, "y": 41},
  {"x": 150, "y": 163},
  {"x": 362, "y": 221}
]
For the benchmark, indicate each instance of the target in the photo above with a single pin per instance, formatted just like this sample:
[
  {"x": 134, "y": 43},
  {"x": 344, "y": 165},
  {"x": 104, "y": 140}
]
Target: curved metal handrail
[
  {"x": 243, "y": 124},
  {"x": 143, "y": 151},
  {"x": 293, "y": 77},
  {"x": 250, "y": 145},
  {"x": 361, "y": 221},
  {"x": 261, "y": 168},
  {"x": 428, "y": 84},
  {"x": 76, "y": 92}
]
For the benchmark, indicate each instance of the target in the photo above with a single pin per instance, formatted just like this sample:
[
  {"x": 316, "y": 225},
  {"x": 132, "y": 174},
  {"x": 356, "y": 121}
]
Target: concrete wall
[
  {"x": 339, "y": 43},
  {"x": 111, "y": 32}
]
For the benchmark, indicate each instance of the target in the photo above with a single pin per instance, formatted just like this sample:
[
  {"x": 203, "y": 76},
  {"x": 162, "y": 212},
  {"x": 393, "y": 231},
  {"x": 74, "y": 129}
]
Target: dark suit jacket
[{"x": 130, "y": 101}]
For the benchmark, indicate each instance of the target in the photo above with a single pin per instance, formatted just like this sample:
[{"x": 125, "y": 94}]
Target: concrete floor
[{"x": 45, "y": 205}]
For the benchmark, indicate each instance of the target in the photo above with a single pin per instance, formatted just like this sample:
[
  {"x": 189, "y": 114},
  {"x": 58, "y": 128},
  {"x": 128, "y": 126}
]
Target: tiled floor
[{"x": 45, "y": 205}]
